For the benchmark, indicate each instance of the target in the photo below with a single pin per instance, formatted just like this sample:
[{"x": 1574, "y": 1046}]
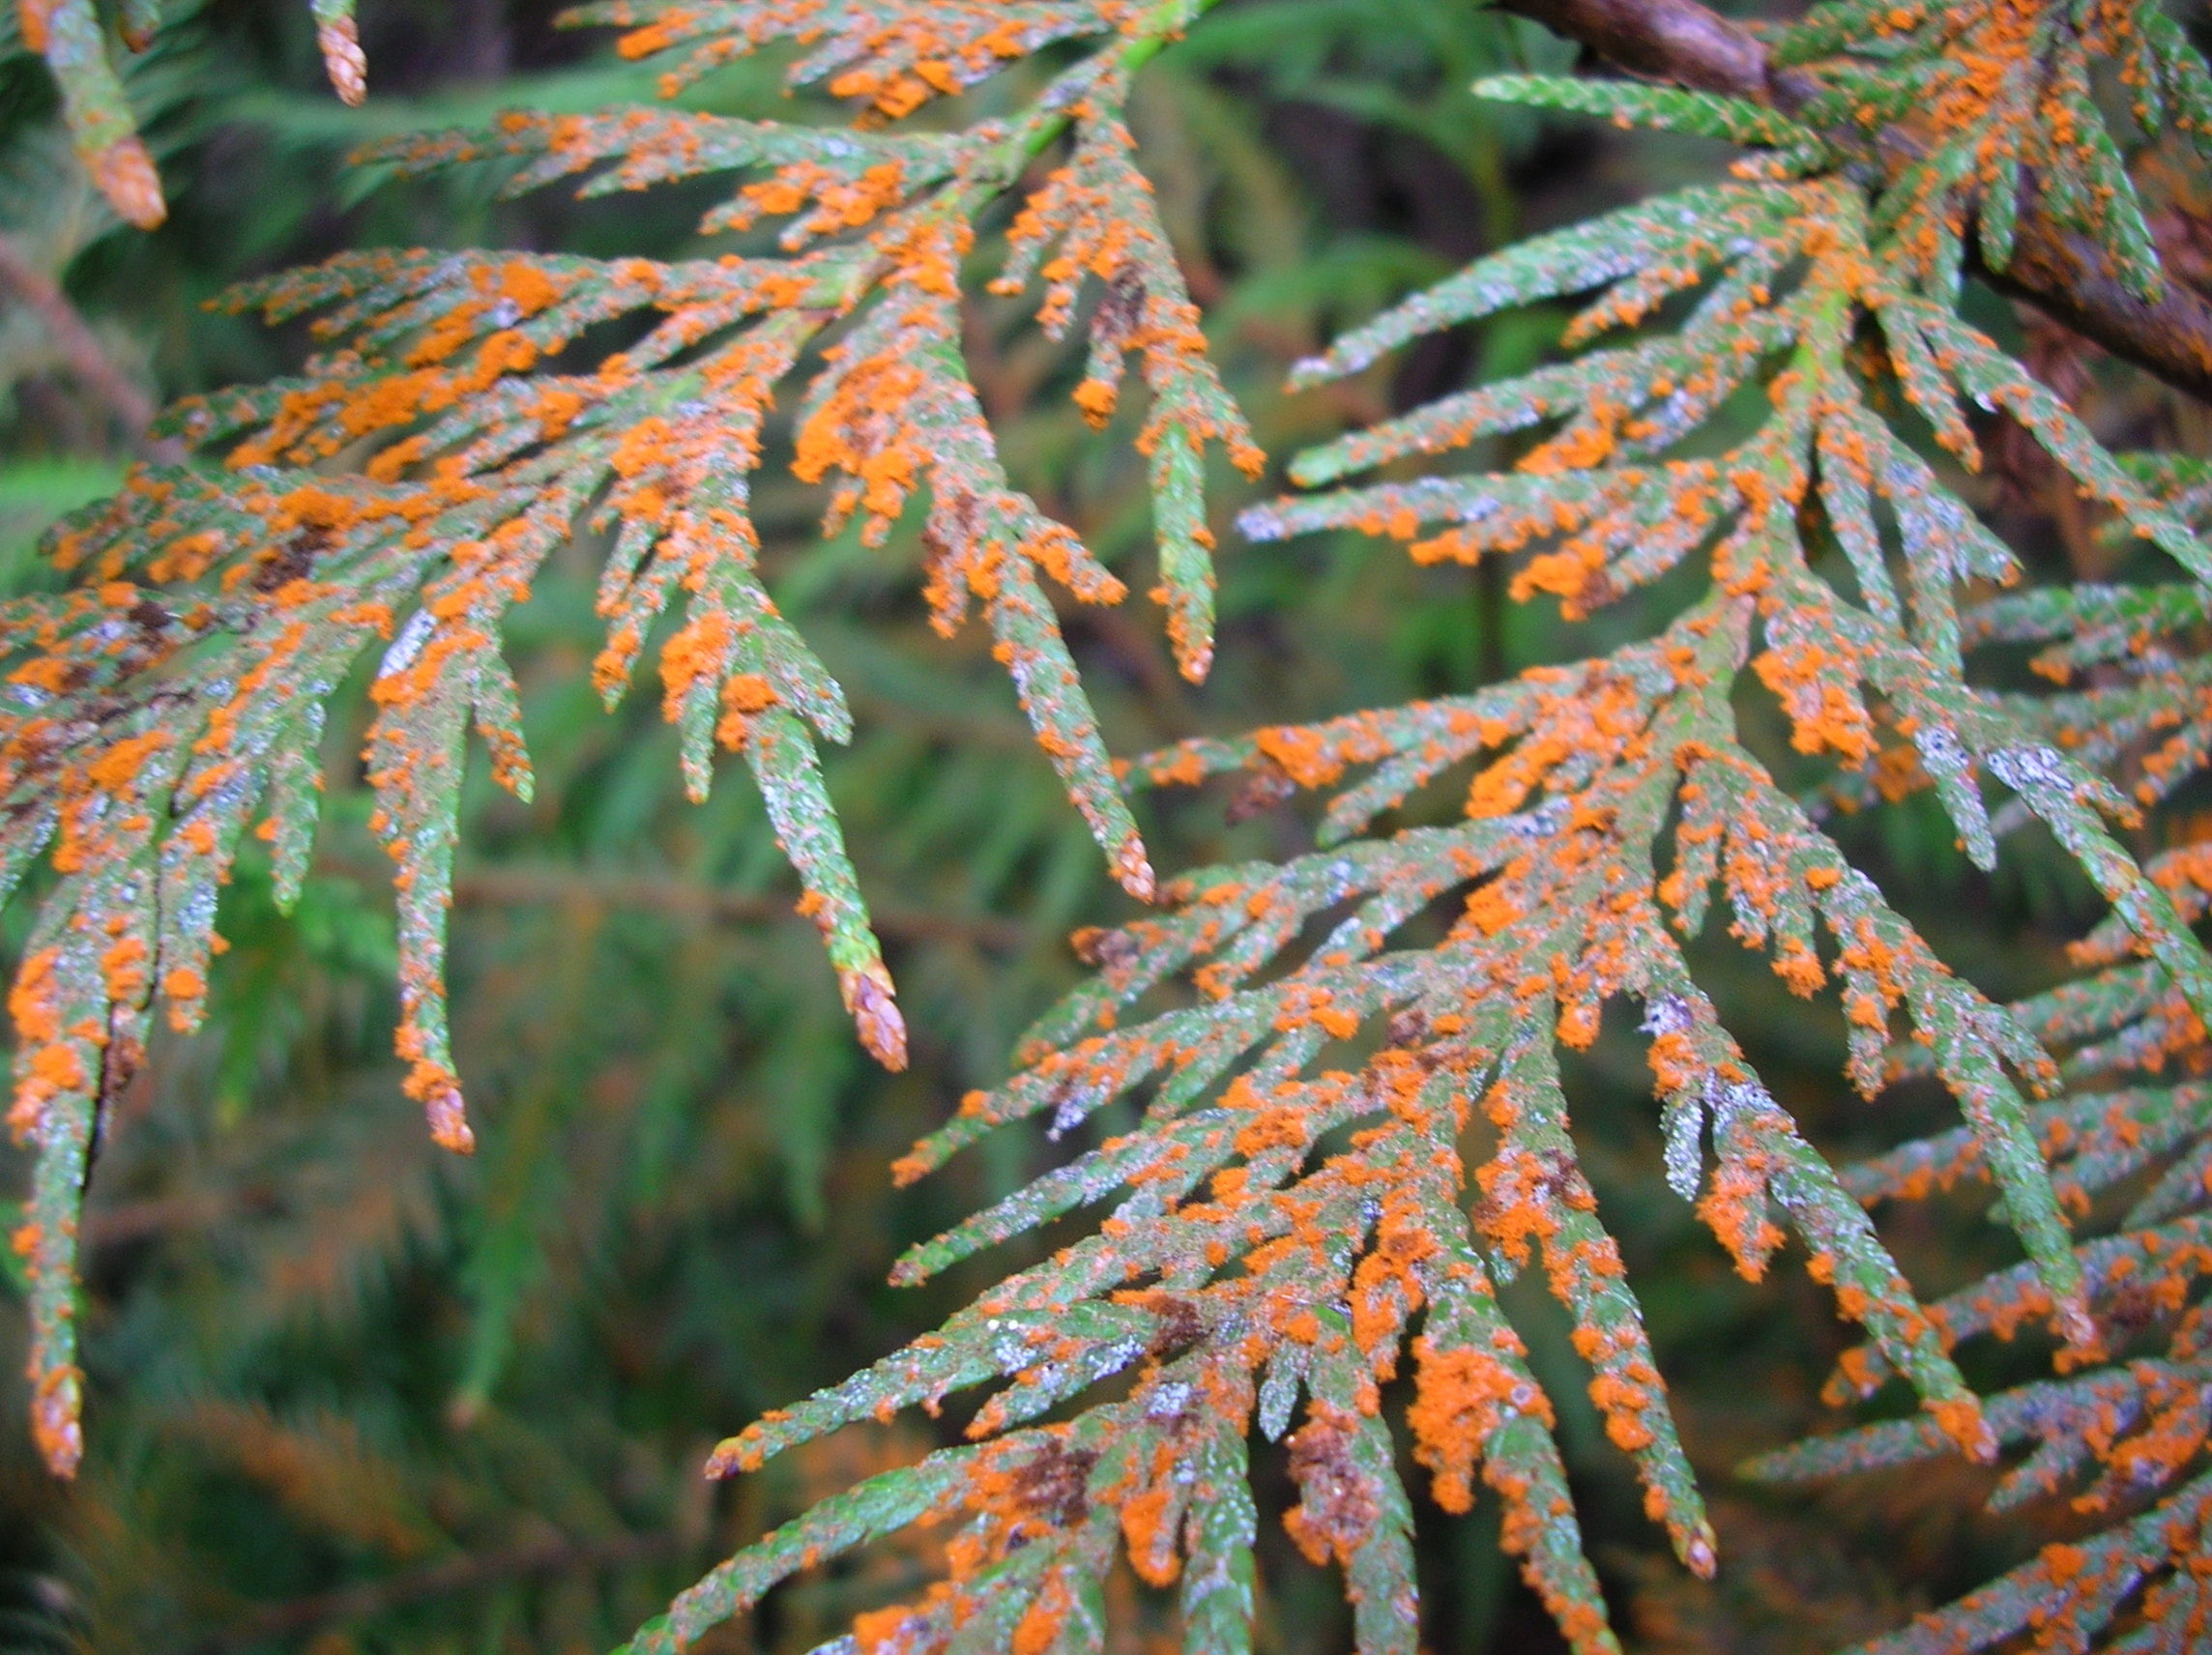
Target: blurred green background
[{"x": 351, "y": 1394}]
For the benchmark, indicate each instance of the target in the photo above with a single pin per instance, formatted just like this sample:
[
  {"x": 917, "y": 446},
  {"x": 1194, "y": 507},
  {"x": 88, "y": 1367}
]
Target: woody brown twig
[{"x": 2056, "y": 269}]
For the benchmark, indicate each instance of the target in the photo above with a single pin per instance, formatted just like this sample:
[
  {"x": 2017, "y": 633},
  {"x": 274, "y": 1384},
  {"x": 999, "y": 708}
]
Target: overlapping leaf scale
[
  {"x": 1783, "y": 875},
  {"x": 1696, "y": 228},
  {"x": 2175, "y": 1252},
  {"x": 1043, "y": 1514},
  {"x": 2144, "y": 1042},
  {"x": 312, "y": 567},
  {"x": 2102, "y": 725},
  {"x": 883, "y": 1505},
  {"x": 2184, "y": 873},
  {"x": 1098, "y": 211},
  {"x": 478, "y": 459},
  {"x": 79, "y": 1006},
  {"x": 1353, "y": 1507},
  {"x": 2094, "y": 1142},
  {"x": 848, "y": 177},
  {"x": 146, "y": 718},
  {"x": 1708, "y": 359},
  {"x": 1415, "y": 744},
  {"x": 516, "y": 313},
  {"x": 677, "y": 483},
  {"x": 1763, "y": 1161},
  {"x": 2067, "y": 798},
  {"x": 1660, "y": 108},
  {"x": 2065, "y": 1418},
  {"x": 2126, "y": 1427},
  {"x": 2089, "y": 184},
  {"x": 1533, "y": 1187},
  {"x": 1477, "y": 1406},
  {"x": 443, "y": 671},
  {"x": 1811, "y": 636},
  {"x": 895, "y": 408},
  {"x": 2074, "y": 1591},
  {"x": 1960, "y": 729},
  {"x": 1619, "y": 523},
  {"x": 1992, "y": 379},
  {"x": 2091, "y": 625}
]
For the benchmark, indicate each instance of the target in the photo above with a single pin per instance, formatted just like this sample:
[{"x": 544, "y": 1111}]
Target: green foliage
[
  {"x": 480, "y": 469},
  {"x": 1317, "y": 1103}
]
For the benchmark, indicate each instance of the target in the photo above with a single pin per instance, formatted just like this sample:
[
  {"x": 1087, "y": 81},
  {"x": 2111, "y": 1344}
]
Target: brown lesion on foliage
[
  {"x": 290, "y": 558},
  {"x": 1263, "y": 785},
  {"x": 1039, "y": 1489},
  {"x": 1053, "y": 1484},
  {"x": 1338, "y": 1509}
]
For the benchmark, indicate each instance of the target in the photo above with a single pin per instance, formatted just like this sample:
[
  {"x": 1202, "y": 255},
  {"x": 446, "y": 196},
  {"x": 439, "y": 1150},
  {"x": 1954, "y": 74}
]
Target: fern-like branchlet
[
  {"x": 459, "y": 428},
  {"x": 1295, "y": 1204},
  {"x": 1768, "y": 394}
]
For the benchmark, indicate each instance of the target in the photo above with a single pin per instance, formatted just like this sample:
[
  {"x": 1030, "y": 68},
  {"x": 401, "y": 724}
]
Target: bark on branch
[{"x": 2057, "y": 270}]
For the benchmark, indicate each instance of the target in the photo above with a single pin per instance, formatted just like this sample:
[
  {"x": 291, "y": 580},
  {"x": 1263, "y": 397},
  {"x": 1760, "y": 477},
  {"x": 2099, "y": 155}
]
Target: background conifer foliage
[{"x": 1721, "y": 905}]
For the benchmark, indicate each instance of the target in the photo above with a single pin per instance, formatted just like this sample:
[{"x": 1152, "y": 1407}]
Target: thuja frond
[
  {"x": 1355, "y": 1124},
  {"x": 1343, "y": 1146},
  {"x": 2123, "y": 1427},
  {"x": 74, "y": 39},
  {"x": 460, "y": 426}
]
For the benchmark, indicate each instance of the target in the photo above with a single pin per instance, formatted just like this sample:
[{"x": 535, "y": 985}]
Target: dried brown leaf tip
[{"x": 339, "y": 43}]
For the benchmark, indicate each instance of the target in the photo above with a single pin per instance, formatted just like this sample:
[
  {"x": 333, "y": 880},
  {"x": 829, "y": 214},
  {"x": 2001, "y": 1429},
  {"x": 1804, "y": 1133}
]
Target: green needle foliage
[{"x": 1322, "y": 1107}]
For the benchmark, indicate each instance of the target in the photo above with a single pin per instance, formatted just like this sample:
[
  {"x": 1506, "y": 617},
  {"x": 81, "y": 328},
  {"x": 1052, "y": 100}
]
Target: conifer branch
[
  {"x": 1248, "y": 1267},
  {"x": 407, "y": 487},
  {"x": 2051, "y": 266},
  {"x": 1336, "y": 1148}
]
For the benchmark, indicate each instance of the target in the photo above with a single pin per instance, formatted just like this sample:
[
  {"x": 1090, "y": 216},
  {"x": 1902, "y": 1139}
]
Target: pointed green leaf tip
[{"x": 1661, "y": 108}]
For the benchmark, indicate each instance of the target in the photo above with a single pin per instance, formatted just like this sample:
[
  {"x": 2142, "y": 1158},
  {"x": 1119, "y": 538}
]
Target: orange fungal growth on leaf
[
  {"x": 460, "y": 422},
  {"x": 1345, "y": 1121},
  {"x": 1280, "y": 1225}
]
